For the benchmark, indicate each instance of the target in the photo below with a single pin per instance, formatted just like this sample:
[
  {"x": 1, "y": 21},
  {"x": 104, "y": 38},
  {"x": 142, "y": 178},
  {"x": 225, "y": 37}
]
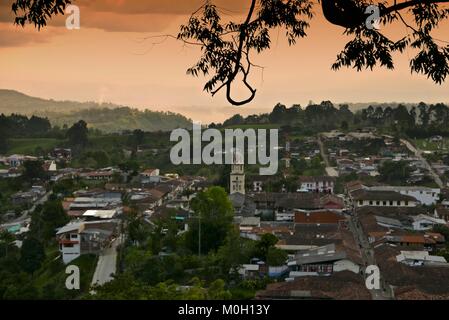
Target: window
[
  {"x": 406, "y": 203},
  {"x": 385, "y": 203},
  {"x": 370, "y": 203},
  {"x": 391, "y": 203},
  {"x": 377, "y": 203}
]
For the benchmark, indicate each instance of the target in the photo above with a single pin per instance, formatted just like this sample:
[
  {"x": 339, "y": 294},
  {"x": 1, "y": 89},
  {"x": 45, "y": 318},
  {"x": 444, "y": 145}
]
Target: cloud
[
  {"x": 129, "y": 15},
  {"x": 144, "y": 16},
  {"x": 6, "y": 14},
  {"x": 169, "y": 7},
  {"x": 115, "y": 22},
  {"x": 14, "y": 36}
]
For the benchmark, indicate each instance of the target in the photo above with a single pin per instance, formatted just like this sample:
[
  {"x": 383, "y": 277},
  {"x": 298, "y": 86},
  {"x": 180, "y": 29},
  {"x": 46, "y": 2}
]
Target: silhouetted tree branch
[
  {"x": 351, "y": 13},
  {"x": 238, "y": 67},
  {"x": 37, "y": 12},
  {"x": 227, "y": 47},
  {"x": 407, "y": 4}
]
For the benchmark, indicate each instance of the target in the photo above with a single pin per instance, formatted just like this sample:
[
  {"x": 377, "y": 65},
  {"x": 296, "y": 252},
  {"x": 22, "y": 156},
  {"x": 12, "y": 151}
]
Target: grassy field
[
  {"x": 106, "y": 142},
  {"x": 28, "y": 146},
  {"x": 425, "y": 144}
]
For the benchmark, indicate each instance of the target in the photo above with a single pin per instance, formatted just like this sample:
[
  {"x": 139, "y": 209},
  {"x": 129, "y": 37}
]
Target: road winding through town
[
  {"x": 25, "y": 215},
  {"x": 419, "y": 155},
  {"x": 367, "y": 252}
]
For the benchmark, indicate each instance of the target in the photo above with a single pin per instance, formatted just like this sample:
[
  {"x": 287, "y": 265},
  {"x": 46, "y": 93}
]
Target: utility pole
[{"x": 199, "y": 234}]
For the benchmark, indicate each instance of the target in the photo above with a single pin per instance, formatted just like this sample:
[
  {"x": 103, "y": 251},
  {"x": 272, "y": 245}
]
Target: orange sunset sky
[{"x": 107, "y": 61}]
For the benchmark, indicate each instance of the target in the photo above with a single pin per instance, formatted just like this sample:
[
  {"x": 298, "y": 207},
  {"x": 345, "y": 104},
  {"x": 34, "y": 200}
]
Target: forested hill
[
  {"x": 106, "y": 117},
  {"x": 421, "y": 120},
  {"x": 120, "y": 119},
  {"x": 16, "y": 102}
]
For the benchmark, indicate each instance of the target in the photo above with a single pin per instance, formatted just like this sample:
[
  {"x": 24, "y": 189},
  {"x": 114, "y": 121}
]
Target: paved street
[
  {"x": 323, "y": 152},
  {"x": 330, "y": 171},
  {"x": 368, "y": 257},
  {"x": 25, "y": 217},
  {"x": 419, "y": 155},
  {"x": 107, "y": 264}
]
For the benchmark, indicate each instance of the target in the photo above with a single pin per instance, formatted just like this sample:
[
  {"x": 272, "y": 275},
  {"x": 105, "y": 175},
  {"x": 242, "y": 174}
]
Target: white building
[
  {"x": 151, "y": 176},
  {"x": 426, "y": 196},
  {"x": 102, "y": 214},
  {"x": 321, "y": 261},
  {"x": 15, "y": 160},
  {"x": 419, "y": 258},
  {"x": 69, "y": 238},
  {"x": 247, "y": 271},
  {"x": 322, "y": 184},
  {"x": 364, "y": 198},
  {"x": 76, "y": 239},
  {"x": 285, "y": 216},
  {"x": 423, "y": 222}
]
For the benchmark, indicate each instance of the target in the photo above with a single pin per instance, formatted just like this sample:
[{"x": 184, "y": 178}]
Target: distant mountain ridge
[
  {"x": 107, "y": 117},
  {"x": 12, "y": 101}
]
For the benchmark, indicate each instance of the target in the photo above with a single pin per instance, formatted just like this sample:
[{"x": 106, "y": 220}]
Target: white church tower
[{"x": 237, "y": 175}]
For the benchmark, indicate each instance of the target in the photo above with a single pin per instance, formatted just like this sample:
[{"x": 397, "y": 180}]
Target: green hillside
[
  {"x": 120, "y": 119},
  {"x": 16, "y": 102},
  {"x": 106, "y": 117}
]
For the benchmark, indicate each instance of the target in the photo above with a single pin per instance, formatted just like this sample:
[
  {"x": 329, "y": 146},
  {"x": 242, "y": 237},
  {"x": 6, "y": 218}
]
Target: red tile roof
[{"x": 318, "y": 217}]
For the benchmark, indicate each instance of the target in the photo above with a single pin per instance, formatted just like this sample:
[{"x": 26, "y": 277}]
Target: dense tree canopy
[
  {"x": 37, "y": 12},
  {"x": 31, "y": 255},
  {"x": 33, "y": 170},
  {"x": 415, "y": 121},
  {"x": 395, "y": 172},
  {"x": 46, "y": 219},
  {"x": 213, "y": 214},
  {"x": 77, "y": 134},
  {"x": 16, "y": 125}
]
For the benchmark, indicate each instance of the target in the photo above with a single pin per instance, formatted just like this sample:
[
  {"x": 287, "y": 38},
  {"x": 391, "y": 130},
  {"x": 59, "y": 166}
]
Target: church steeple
[{"x": 237, "y": 183}]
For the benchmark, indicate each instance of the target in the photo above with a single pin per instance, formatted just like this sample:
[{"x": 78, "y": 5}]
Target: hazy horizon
[{"x": 218, "y": 114}]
